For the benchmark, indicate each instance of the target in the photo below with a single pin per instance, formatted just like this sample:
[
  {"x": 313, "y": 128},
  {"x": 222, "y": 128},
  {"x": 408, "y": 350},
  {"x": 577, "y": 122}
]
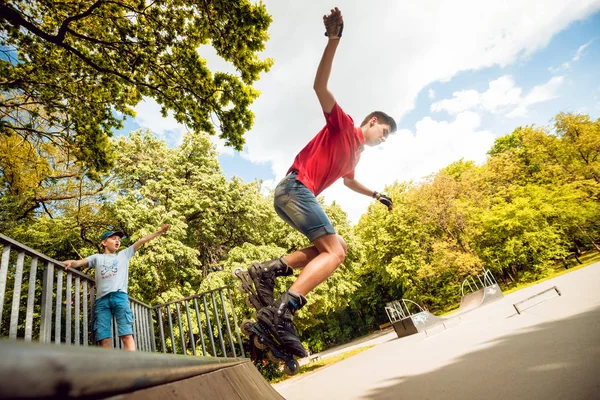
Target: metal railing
[
  {"x": 400, "y": 309},
  {"x": 207, "y": 322},
  {"x": 488, "y": 280},
  {"x": 58, "y": 307}
]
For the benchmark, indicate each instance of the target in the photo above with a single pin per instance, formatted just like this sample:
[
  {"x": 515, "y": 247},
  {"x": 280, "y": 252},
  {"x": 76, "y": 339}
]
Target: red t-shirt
[{"x": 333, "y": 153}]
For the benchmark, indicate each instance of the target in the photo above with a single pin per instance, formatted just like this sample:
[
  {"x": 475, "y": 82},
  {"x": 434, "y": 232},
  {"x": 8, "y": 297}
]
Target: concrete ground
[{"x": 550, "y": 351}]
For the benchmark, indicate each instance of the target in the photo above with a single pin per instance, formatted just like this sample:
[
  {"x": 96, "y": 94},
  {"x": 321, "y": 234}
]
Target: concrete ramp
[{"x": 48, "y": 371}]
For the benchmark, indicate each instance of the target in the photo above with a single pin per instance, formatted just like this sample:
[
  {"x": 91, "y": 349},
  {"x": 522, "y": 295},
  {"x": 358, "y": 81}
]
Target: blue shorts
[
  {"x": 117, "y": 304},
  {"x": 299, "y": 207}
]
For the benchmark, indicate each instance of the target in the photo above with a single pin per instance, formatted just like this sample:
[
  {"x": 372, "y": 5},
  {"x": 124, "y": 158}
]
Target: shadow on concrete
[{"x": 551, "y": 360}]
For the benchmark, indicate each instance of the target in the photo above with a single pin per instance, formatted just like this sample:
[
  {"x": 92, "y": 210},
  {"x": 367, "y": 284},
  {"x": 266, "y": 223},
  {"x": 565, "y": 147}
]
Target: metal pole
[
  {"x": 171, "y": 329},
  {"x": 189, "y": 320},
  {"x": 14, "y": 312},
  {"x": 218, "y": 320},
  {"x": 237, "y": 330},
  {"x": 227, "y": 322},
  {"x": 159, "y": 316},
  {"x": 77, "y": 315},
  {"x": 58, "y": 308},
  {"x": 46, "y": 311},
  {"x": 85, "y": 313},
  {"x": 30, "y": 299},
  {"x": 200, "y": 327},
  {"x": 209, "y": 327},
  {"x": 3, "y": 275},
  {"x": 180, "y": 328}
]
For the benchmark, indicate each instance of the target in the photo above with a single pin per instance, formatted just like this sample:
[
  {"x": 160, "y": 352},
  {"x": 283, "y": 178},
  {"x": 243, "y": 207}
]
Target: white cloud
[
  {"x": 390, "y": 51},
  {"x": 567, "y": 64},
  {"x": 502, "y": 96},
  {"x": 412, "y": 155},
  {"x": 148, "y": 116},
  {"x": 581, "y": 49}
]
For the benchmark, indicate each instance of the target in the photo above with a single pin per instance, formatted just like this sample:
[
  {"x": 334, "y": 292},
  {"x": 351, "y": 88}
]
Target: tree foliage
[{"x": 70, "y": 71}]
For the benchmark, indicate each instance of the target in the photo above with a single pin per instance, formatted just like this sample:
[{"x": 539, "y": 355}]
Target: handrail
[
  {"x": 5, "y": 240},
  {"x": 410, "y": 301}
]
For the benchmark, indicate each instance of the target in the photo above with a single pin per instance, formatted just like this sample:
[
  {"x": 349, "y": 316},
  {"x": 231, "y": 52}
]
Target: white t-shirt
[{"x": 112, "y": 271}]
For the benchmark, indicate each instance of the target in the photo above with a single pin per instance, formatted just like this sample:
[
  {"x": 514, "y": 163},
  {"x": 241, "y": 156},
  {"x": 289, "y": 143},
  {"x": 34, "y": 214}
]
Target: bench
[
  {"x": 314, "y": 357},
  {"x": 383, "y": 326}
]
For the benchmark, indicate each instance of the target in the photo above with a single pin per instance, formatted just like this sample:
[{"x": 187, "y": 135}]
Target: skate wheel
[
  {"x": 258, "y": 344},
  {"x": 291, "y": 367},
  {"x": 249, "y": 304},
  {"x": 272, "y": 357},
  {"x": 235, "y": 272},
  {"x": 245, "y": 327}
]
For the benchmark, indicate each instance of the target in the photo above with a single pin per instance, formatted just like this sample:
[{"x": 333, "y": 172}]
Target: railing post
[
  {"x": 218, "y": 320},
  {"x": 58, "y": 308},
  {"x": 16, "y": 300},
  {"x": 237, "y": 331},
  {"x": 68, "y": 308},
  {"x": 3, "y": 274},
  {"x": 30, "y": 299},
  {"x": 85, "y": 314},
  {"x": 227, "y": 322},
  {"x": 46, "y": 312},
  {"x": 77, "y": 314},
  {"x": 189, "y": 320},
  {"x": 200, "y": 327},
  {"x": 151, "y": 323},
  {"x": 209, "y": 327}
]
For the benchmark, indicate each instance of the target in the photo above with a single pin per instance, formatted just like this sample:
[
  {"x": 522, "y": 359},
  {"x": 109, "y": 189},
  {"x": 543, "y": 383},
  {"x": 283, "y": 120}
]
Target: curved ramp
[
  {"x": 424, "y": 320},
  {"x": 36, "y": 370}
]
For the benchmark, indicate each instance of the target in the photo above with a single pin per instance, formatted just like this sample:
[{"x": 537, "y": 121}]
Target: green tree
[{"x": 70, "y": 71}]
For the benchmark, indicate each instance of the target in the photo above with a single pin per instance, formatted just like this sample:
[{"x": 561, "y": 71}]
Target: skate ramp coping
[{"x": 41, "y": 370}]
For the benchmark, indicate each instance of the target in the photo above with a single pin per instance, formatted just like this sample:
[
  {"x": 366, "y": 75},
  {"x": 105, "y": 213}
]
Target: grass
[
  {"x": 588, "y": 258},
  {"x": 312, "y": 366}
]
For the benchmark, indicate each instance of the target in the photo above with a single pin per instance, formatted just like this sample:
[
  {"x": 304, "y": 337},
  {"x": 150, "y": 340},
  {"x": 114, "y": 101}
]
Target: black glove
[{"x": 386, "y": 201}]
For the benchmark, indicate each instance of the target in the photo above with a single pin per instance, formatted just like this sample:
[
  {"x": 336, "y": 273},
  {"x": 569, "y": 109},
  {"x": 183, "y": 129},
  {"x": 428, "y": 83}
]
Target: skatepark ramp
[
  {"x": 409, "y": 318},
  {"x": 49, "y": 371}
]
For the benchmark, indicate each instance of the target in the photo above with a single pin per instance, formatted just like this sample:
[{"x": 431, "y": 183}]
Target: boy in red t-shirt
[{"x": 332, "y": 154}]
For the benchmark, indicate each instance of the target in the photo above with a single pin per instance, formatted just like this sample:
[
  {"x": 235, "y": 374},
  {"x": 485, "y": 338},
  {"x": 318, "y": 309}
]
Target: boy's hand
[
  {"x": 68, "y": 264},
  {"x": 334, "y": 24},
  {"x": 164, "y": 228},
  {"x": 386, "y": 201}
]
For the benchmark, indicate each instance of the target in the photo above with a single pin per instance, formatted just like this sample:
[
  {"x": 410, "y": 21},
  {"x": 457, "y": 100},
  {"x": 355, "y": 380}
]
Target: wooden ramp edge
[
  {"x": 241, "y": 381},
  {"x": 50, "y": 371}
]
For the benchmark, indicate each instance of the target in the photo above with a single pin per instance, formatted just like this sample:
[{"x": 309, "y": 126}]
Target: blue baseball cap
[{"x": 111, "y": 233}]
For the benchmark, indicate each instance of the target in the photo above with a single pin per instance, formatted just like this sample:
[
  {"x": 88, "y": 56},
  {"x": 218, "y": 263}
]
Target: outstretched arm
[
  {"x": 148, "y": 238},
  {"x": 75, "y": 263},
  {"x": 333, "y": 25}
]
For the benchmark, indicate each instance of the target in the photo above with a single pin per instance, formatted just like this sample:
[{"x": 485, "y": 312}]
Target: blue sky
[{"x": 454, "y": 77}]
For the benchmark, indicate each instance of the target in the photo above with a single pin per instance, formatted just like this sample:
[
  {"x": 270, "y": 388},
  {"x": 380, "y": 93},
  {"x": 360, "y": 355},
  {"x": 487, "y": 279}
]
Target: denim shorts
[
  {"x": 117, "y": 304},
  {"x": 299, "y": 207}
]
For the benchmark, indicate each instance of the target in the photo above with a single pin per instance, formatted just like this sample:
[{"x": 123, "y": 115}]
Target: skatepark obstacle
[
  {"x": 409, "y": 318},
  {"x": 538, "y": 297}
]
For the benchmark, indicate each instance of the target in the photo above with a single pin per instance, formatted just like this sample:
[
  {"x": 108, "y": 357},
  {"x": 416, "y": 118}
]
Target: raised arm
[
  {"x": 151, "y": 236},
  {"x": 333, "y": 25}
]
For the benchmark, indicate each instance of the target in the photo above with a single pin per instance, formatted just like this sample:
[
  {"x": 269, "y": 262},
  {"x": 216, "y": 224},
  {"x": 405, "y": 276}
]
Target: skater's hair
[{"x": 382, "y": 118}]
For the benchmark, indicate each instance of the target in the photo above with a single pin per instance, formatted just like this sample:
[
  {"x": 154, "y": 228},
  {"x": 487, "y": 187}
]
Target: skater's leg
[
  {"x": 331, "y": 255},
  {"x": 301, "y": 258}
]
